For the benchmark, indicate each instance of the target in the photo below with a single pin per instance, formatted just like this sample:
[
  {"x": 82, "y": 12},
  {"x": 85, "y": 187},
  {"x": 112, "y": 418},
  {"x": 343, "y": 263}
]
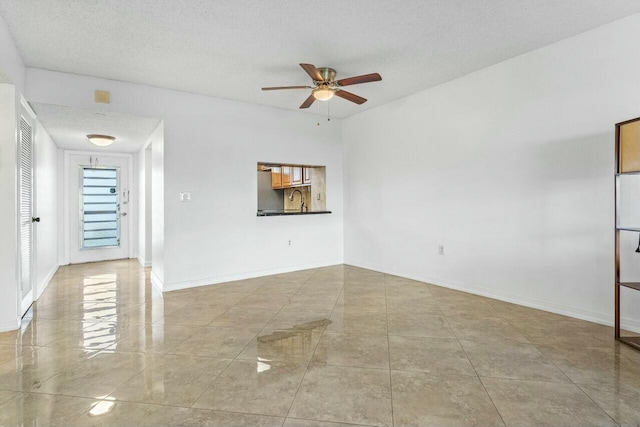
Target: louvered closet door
[{"x": 26, "y": 211}]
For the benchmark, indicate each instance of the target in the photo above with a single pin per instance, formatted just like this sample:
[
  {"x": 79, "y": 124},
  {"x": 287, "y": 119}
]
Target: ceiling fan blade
[
  {"x": 307, "y": 103},
  {"x": 286, "y": 87},
  {"x": 313, "y": 72},
  {"x": 350, "y": 97},
  {"x": 365, "y": 78}
]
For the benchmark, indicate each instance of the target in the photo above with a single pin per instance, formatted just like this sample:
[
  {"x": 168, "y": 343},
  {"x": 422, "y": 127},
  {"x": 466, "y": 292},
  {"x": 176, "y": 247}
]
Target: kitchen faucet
[{"x": 301, "y": 198}]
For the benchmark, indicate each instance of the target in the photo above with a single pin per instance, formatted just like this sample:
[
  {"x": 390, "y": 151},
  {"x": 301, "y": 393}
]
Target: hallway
[{"x": 334, "y": 344}]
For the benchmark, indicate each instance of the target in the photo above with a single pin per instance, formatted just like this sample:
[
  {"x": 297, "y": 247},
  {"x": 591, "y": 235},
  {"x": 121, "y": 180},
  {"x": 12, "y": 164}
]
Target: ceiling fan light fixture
[
  {"x": 323, "y": 93},
  {"x": 101, "y": 140}
]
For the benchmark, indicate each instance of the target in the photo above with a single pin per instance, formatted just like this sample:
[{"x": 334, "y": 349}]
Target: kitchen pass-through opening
[{"x": 291, "y": 189}]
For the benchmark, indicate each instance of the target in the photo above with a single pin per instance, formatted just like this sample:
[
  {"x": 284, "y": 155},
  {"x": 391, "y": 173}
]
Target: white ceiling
[
  {"x": 69, "y": 128},
  {"x": 232, "y": 48}
]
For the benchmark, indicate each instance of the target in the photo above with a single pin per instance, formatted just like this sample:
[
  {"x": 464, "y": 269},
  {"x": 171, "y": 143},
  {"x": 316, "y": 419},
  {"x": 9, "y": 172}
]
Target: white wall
[
  {"x": 141, "y": 160},
  {"x": 211, "y": 147},
  {"x": 148, "y": 202},
  {"x": 157, "y": 208},
  {"x": 12, "y": 69},
  {"x": 8, "y": 220},
  {"x": 134, "y": 206},
  {"x": 62, "y": 223},
  {"x": 145, "y": 210},
  {"x": 510, "y": 168},
  {"x": 46, "y": 207}
]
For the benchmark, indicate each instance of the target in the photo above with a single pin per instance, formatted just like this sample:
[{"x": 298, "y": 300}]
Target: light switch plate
[{"x": 185, "y": 196}]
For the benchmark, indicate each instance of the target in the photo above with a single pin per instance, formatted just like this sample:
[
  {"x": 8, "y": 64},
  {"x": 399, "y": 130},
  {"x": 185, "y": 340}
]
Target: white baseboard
[
  {"x": 40, "y": 287},
  {"x": 10, "y": 326},
  {"x": 143, "y": 262},
  {"x": 45, "y": 282},
  {"x": 246, "y": 275},
  {"x": 156, "y": 282},
  {"x": 578, "y": 313}
]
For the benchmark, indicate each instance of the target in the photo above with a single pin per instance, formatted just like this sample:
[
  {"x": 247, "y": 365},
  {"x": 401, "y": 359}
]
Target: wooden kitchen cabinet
[
  {"x": 276, "y": 177},
  {"x": 629, "y": 146},
  {"x": 296, "y": 175},
  {"x": 290, "y": 176},
  {"x": 286, "y": 176}
]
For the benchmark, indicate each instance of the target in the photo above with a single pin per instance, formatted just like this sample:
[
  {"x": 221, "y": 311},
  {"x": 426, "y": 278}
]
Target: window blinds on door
[{"x": 100, "y": 225}]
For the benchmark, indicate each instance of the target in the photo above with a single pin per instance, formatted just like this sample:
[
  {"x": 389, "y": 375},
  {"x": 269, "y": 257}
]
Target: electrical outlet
[
  {"x": 289, "y": 242},
  {"x": 185, "y": 196},
  {"x": 440, "y": 249}
]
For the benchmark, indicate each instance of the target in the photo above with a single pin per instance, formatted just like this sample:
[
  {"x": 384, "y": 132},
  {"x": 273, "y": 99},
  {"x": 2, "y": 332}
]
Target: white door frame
[
  {"x": 66, "y": 202},
  {"x": 27, "y": 112}
]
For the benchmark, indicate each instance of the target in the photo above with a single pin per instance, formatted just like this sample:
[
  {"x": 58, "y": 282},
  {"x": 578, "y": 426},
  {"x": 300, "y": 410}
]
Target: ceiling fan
[{"x": 325, "y": 85}]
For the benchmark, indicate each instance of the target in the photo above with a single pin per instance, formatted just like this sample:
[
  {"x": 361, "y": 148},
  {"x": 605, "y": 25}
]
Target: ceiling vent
[{"x": 101, "y": 96}]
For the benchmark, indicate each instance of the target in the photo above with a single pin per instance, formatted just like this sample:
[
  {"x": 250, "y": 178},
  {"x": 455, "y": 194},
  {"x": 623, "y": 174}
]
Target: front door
[{"x": 99, "y": 208}]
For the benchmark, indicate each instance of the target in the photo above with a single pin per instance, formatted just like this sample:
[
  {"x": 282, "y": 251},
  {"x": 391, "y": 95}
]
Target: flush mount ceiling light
[
  {"x": 323, "y": 93},
  {"x": 101, "y": 140}
]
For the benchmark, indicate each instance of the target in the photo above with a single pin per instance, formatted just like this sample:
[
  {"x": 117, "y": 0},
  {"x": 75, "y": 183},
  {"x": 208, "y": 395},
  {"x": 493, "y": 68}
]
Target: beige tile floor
[{"x": 333, "y": 346}]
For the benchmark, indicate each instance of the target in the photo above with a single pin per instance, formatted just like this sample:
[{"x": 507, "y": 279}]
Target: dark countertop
[{"x": 279, "y": 212}]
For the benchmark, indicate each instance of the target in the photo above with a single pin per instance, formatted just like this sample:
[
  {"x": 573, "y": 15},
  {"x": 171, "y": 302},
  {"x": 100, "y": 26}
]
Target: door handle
[
  {"x": 123, "y": 214},
  {"x": 35, "y": 219}
]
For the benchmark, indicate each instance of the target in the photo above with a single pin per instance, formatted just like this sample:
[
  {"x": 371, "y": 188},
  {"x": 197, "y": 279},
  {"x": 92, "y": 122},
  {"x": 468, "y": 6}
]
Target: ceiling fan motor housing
[{"x": 328, "y": 74}]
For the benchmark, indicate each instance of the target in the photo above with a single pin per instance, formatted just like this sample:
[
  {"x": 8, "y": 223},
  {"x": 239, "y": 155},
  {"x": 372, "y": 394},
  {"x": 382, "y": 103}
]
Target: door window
[{"x": 99, "y": 208}]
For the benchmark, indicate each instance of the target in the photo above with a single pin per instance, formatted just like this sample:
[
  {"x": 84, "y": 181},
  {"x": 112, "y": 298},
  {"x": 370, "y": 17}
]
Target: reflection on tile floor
[{"x": 332, "y": 346}]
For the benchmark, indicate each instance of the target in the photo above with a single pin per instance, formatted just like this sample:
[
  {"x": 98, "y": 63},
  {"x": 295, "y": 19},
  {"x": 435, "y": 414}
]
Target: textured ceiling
[
  {"x": 69, "y": 128},
  {"x": 231, "y": 48}
]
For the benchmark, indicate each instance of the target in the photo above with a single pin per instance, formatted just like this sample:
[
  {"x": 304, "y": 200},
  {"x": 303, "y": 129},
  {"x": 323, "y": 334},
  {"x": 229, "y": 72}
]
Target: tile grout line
[
  {"x": 181, "y": 342},
  {"x": 90, "y": 322},
  {"x": 50, "y": 345},
  {"x": 386, "y": 311},
  {"x": 169, "y": 353},
  {"x": 574, "y": 383},
  {"x": 314, "y": 350},
  {"x": 235, "y": 358},
  {"x": 340, "y": 423},
  {"x": 596, "y": 403},
  {"x": 175, "y": 407},
  {"x": 490, "y": 398},
  {"x": 284, "y": 420},
  {"x": 162, "y": 354},
  {"x": 481, "y": 382},
  {"x": 240, "y": 352}
]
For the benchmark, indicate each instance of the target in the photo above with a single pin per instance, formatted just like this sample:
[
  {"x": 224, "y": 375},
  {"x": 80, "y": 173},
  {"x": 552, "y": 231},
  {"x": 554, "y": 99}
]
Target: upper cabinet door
[
  {"x": 629, "y": 146},
  {"x": 276, "y": 177},
  {"x": 286, "y": 176},
  {"x": 296, "y": 175},
  {"x": 306, "y": 172}
]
